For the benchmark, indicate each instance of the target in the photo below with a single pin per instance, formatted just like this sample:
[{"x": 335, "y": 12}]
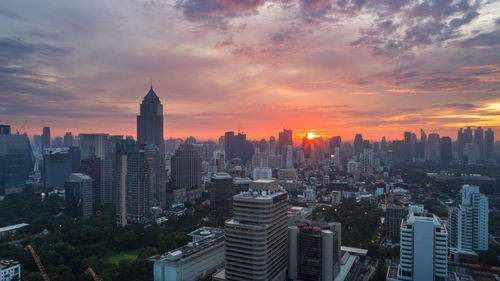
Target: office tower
[
  {"x": 241, "y": 148},
  {"x": 57, "y": 167},
  {"x": 336, "y": 157},
  {"x": 93, "y": 145},
  {"x": 423, "y": 137},
  {"x": 186, "y": 167},
  {"x": 433, "y": 148},
  {"x": 37, "y": 144},
  {"x": 472, "y": 153},
  {"x": 92, "y": 168},
  {"x": 78, "y": 195},
  {"x": 221, "y": 197},
  {"x": 256, "y": 236},
  {"x": 445, "y": 150},
  {"x": 489, "y": 144},
  {"x": 172, "y": 144},
  {"x": 335, "y": 142},
  {"x": 409, "y": 146},
  {"x": 285, "y": 138},
  {"x": 469, "y": 222},
  {"x": 132, "y": 188},
  {"x": 150, "y": 121},
  {"x": 479, "y": 140},
  {"x": 424, "y": 251},
  {"x": 260, "y": 160},
  {"x": 314, "y": 251},
  {"x": 358, "y": 144},
  {"x": 398, "y": 151},
  {"x": 460, "y": 144},
  {"x": 16, "y": 162},
  {"x": 395, "y": 213},
  {"x": 287, "y": 156},
  {"x": 58, "y": 142},
  {"x": 228, "y": 145},
  {"x": 4, "y": 129},
  {"x": 68, "y": 139},
  {"x": 46, "y": 138}
]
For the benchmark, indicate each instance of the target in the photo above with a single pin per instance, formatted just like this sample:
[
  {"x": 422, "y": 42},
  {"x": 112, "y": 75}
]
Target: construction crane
[
  {"x": 38, "y": 262},
  {"x": 18, "y": 131},
  {"x": 90, "y": 271}
]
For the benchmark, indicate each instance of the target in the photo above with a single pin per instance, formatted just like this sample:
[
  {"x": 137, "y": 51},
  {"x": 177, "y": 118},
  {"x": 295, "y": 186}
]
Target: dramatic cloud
[{"x": 339, "y": 66}]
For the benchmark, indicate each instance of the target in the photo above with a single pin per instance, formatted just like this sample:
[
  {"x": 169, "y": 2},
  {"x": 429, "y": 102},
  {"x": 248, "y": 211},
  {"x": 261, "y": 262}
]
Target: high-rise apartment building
[
  {"x": 314, "y": 251},
  {"x": 432, "y": 152},
  {"x": 78, "y": 195},
  {"x": 394, "y": 215},
  {"x": 186, "y": 167},
  {"x": 256, "y": 236},
  {"x": 468, "y": 224},
  {"x": 132, "y": 187},
  {"x": 424, "y": 251}
]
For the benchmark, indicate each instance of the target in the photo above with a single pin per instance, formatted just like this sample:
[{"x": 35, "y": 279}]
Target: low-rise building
[
  {"x": 193, "y": 261},
  {"x": 10, "y": 270}
]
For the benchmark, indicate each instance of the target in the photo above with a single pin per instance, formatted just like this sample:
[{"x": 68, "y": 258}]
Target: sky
[{"x": 337, "y": 66}]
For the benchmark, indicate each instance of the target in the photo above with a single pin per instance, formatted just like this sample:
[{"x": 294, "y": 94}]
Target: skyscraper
[
  {"x": 334, "y": 143},
  {"x": 256, "y": 236},
  {"x": 68, "y": 139},
  {"x": 479, "y": 140},
  {"x": 78, "y": 195},
  {"x": 433, "y": 147},
  {"x": 469, "y": 222},
  {"x": 358, "y": 144},
  {"x": 489, "y": 144},
  {"x": 445, "y": 150},
  {"x": 46, "y": 138},
  {"x": 461, "y": 144},
  {"x": 423, "y": 252},
  {"x": 468, "y": 135},
  {"x": 93, "y": 145},
  {"x": 186, "y": 167},
  {"x": 150, "y": 121},
  {"x": 16, "y": 162},
  {"x": 221, "y": 197},
  {"x": 285, "y": 138},
  {"x": 133, "y": 189},
  {"x": 314, "y": 251}
]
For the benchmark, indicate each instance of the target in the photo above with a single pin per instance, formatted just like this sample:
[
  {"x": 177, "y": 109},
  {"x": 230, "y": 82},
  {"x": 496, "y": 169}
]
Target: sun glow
[{"x": 311, "y": 136}]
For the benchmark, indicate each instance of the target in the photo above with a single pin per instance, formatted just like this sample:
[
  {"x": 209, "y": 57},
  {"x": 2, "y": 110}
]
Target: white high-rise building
[
  {"x": 256, "y": 237},
  {"x": 424, "y": 249},
  {"x": 468, "y": 223}
]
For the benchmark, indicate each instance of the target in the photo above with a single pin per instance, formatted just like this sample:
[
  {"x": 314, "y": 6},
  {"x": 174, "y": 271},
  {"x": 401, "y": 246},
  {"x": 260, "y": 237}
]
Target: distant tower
[
  {"x": 358, "y": 145},
  {"x": 46, "y": 137},
  {"x": 150, "y": 121}
]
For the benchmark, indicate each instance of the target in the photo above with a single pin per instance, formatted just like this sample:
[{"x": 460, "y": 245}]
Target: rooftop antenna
[{"x": 151, "y": 83}]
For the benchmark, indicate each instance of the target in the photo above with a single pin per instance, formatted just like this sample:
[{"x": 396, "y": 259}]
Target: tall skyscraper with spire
[
  {"x": 150, "y": 120},
  {"x": 150, "y": 133}
]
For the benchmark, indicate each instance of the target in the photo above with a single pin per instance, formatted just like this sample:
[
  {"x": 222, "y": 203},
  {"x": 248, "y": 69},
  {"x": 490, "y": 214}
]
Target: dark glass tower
[{"x": 150, "y": 121}]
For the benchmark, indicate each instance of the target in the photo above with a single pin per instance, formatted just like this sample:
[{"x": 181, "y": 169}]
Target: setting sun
[{"x": 311, "y": 135}]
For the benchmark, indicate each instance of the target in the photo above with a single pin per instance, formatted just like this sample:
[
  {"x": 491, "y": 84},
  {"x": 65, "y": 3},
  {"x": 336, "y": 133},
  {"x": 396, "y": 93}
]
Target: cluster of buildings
[
  {"x": 261, "y": 238},
  {"x": 433, "y": 248}
]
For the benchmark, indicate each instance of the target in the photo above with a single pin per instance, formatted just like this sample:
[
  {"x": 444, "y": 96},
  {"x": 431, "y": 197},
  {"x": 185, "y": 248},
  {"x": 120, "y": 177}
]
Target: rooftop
[
  {"x": 190, "y": 250},
  {"x": 4, "y": 264},
  {"x": 12, "y": 227}
]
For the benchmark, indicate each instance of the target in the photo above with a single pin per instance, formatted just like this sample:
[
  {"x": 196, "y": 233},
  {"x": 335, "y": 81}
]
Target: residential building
[
  {"x": 468, "y": 224},
  {"x": 424, "y": 251}
]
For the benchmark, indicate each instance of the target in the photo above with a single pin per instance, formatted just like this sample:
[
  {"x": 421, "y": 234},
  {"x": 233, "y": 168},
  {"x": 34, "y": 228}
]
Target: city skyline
[{"x": 375, "y": 68}]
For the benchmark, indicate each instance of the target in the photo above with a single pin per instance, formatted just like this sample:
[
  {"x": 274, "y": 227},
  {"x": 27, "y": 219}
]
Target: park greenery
[{"x": 67, "y": 246}]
